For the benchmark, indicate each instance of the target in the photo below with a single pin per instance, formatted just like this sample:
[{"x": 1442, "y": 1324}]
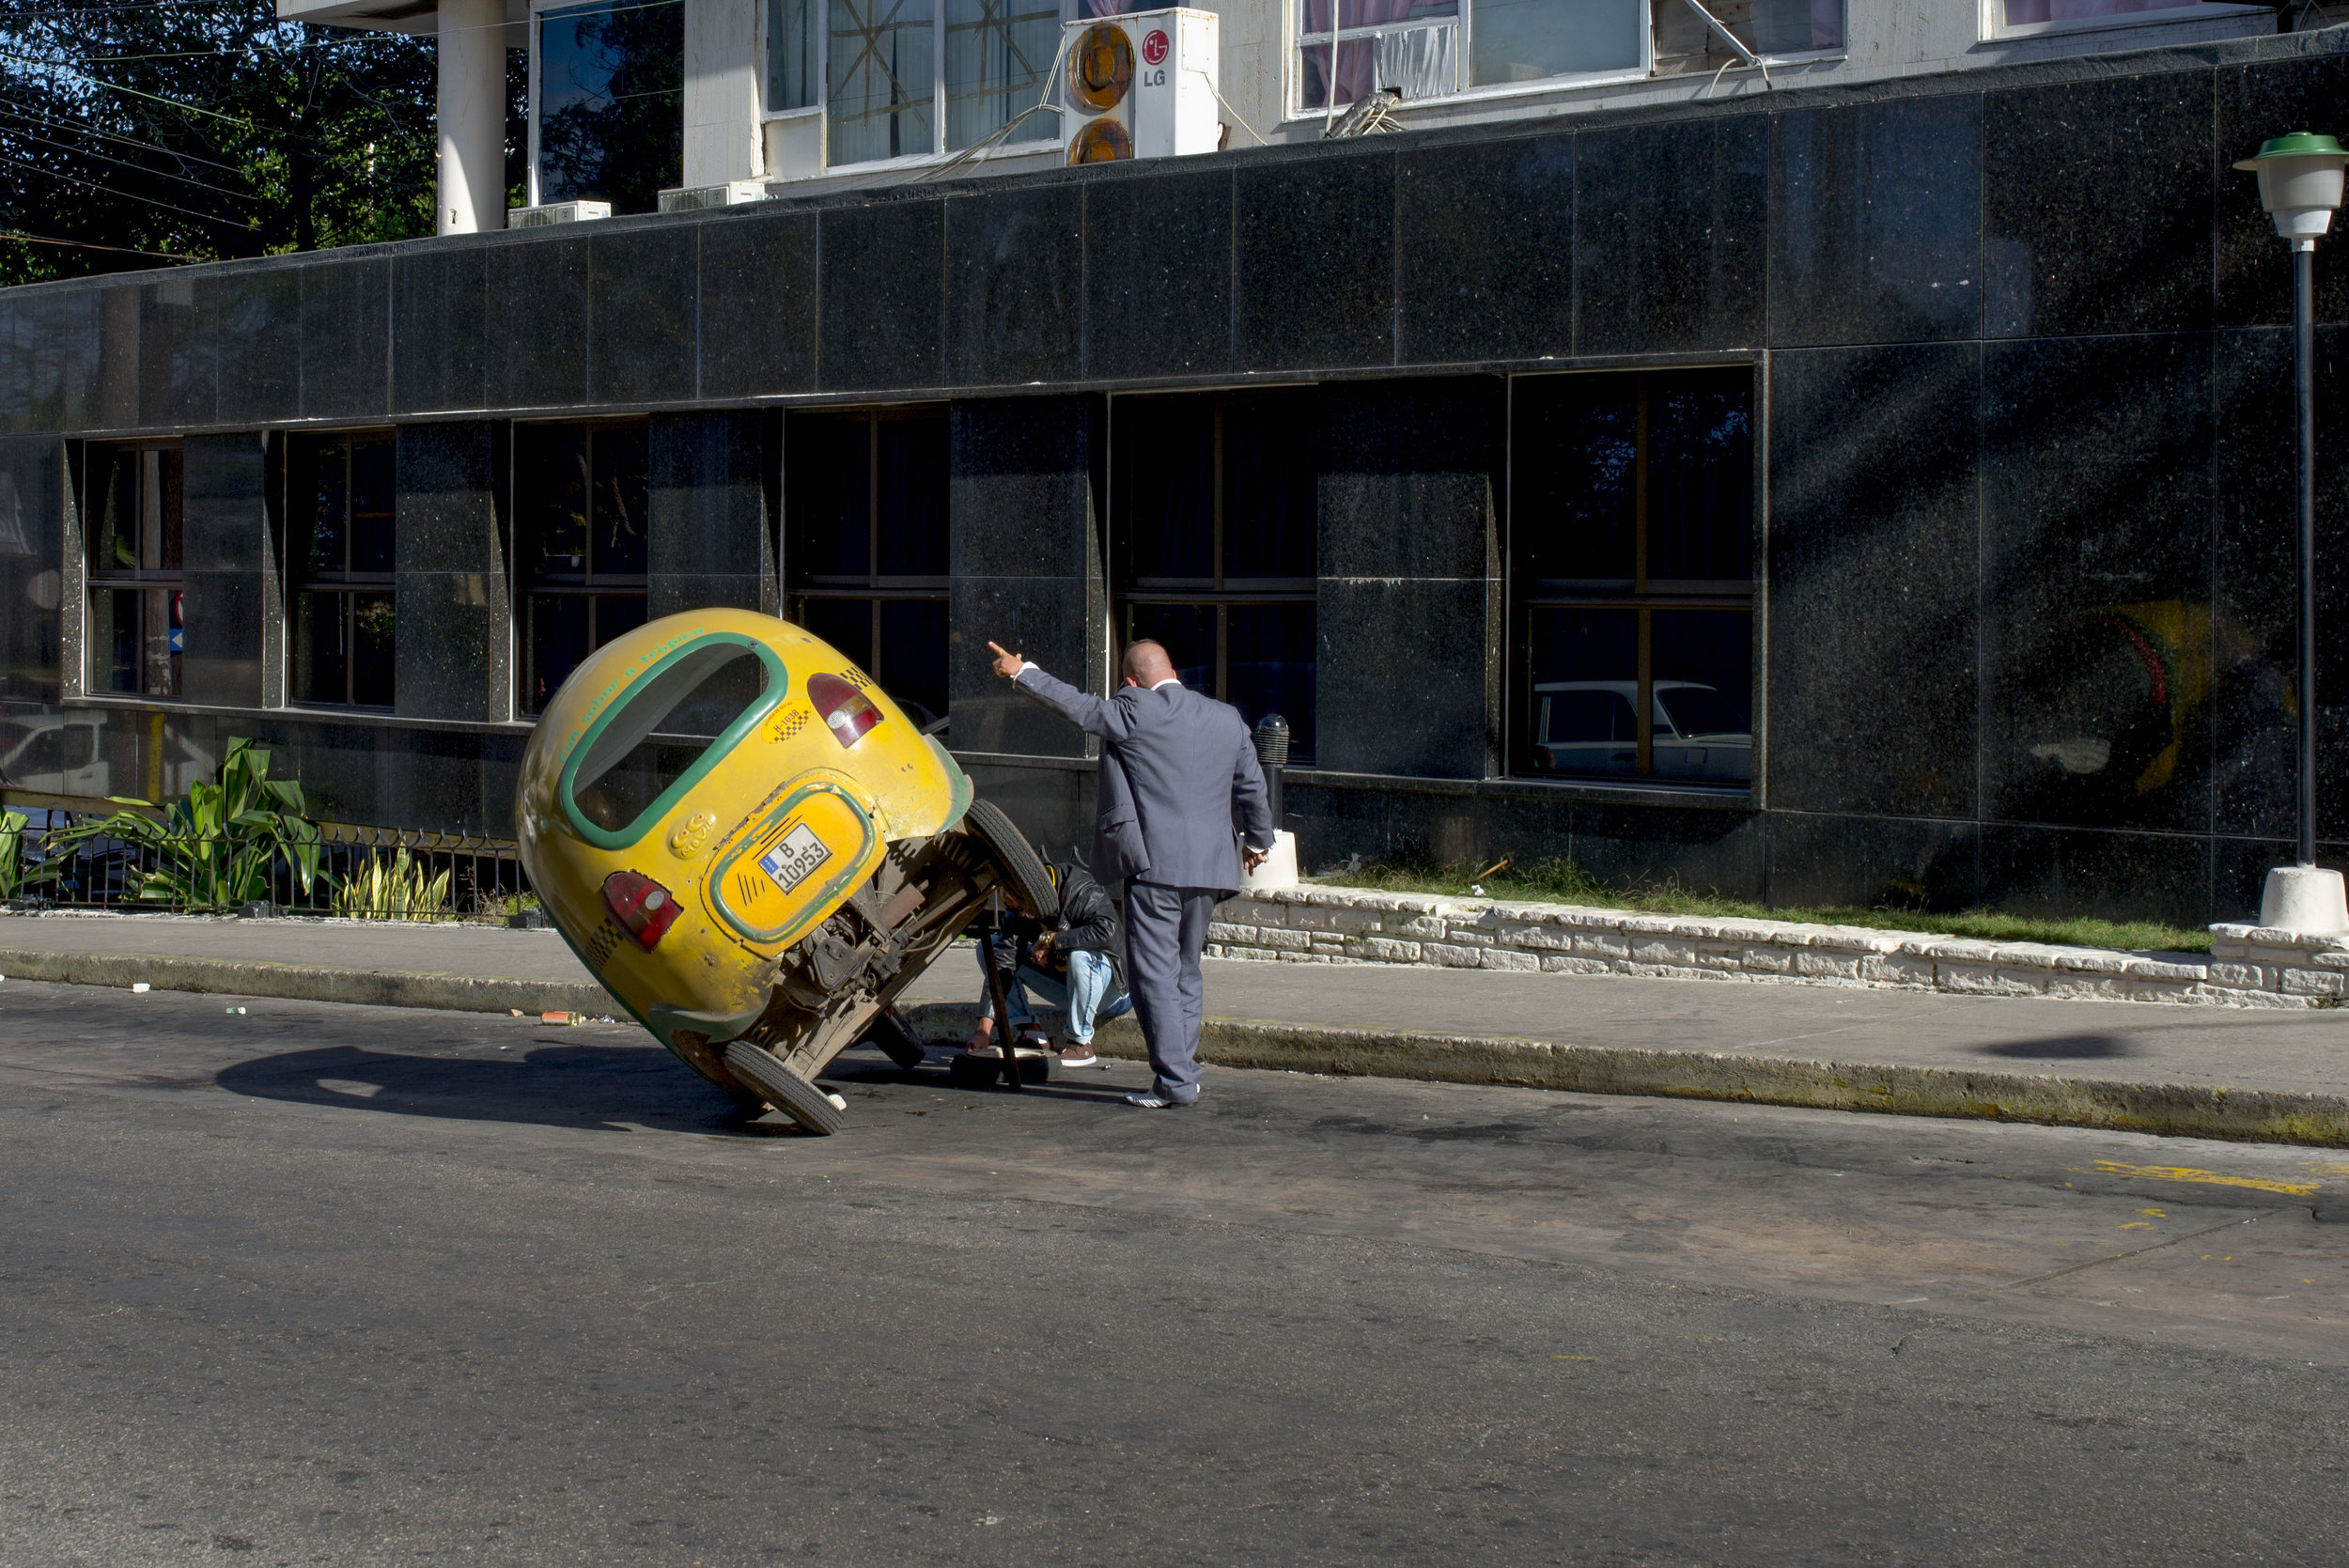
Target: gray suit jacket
[{"x": 1173, "y": 764}]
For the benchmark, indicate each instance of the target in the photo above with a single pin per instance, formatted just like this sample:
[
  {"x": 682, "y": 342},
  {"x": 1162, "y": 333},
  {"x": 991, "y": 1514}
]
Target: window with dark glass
[
  {"x": 611, "y": 102},
  {"x": 340, "y": 508},
  {"x": 1214, "y": 548},
  {"x": 580, "y": 498},
  {"x": 137, "y": 633},
  {"x": 864, "y": 544},
  {"x": 1632, "y": 558}
]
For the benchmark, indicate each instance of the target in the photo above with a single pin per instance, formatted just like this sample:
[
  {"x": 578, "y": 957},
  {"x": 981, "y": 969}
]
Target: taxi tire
[
  {"x": 781, "y": 1088},
  {"x": 1021, "y": 867}
]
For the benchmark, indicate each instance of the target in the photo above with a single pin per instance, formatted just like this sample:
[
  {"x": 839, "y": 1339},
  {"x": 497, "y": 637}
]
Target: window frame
[
  {"x": 345, "y": 586},
  {"x": 875, "y": 587},
  {"x": 1127, "y": 590},
  {"x": 97, "y": 578},
  {"x": 820, "y": 110},
  {"x": 533, "y": 187},
  {"x": 1517, "y": 684},
  {"x": 1300, "y": 41},
  {"x": 1994, "y": 27},
  {"x": 590, "y": 585}
]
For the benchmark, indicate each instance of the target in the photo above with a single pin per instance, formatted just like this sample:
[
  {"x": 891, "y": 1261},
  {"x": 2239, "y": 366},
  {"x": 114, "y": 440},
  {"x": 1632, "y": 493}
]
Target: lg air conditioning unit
[{"x": 1140, "y": 85}]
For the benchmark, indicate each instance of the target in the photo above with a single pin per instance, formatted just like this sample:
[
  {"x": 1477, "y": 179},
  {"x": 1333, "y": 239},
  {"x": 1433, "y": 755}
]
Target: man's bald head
[{"x": 1146, "y": 662}]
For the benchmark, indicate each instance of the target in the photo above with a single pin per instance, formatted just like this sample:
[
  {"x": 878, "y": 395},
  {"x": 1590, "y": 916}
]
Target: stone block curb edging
[
  {"x": 2195, "y": 1110},
  {"x": 2170, "y": 1110},
  {"x": 2247, "y": 967}
]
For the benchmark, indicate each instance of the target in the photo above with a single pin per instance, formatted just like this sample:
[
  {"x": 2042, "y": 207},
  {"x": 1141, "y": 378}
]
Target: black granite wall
[{"x": 2020, "y": 353}]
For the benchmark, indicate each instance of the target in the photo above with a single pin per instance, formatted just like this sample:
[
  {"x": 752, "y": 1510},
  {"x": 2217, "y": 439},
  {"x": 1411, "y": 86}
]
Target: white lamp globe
[{"x": 2300, "y": 182}]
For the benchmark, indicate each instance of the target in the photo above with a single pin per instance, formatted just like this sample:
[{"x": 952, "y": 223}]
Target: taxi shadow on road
[{"x": 562, "y": 1086}]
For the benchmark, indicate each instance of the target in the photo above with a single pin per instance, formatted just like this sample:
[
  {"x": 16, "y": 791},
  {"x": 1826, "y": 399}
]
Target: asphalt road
[{"x": 335, "y": 1284}]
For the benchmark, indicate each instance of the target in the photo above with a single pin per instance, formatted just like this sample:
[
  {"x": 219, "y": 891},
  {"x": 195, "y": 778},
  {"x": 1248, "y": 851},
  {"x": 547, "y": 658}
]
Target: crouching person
[{"x": 1077, "y": 964}]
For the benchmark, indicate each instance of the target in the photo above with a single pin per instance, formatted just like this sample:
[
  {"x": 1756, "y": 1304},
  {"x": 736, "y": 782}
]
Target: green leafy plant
[
  {"x": 393, "y": 889},
  {"x": 217, "y": 848},
  {"x": 12, "y": 825}
]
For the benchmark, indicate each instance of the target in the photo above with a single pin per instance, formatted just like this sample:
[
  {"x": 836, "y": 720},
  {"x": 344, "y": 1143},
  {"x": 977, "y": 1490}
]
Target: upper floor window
[
  {"x": 913, "y": 78},
  {"x": 1631, "y": 564},
  {"x": 1215, "y": 547},
  {"x": 580, "y": 498},
  {"x": 137, "y": 632},
  {"x": 2022, "y": 18},
  {"x": 608, "y": 102},
  {"x": 866, "y": 545},
  {"x": 1434, "y": 48},
  {"x": 340, "y": 494}
]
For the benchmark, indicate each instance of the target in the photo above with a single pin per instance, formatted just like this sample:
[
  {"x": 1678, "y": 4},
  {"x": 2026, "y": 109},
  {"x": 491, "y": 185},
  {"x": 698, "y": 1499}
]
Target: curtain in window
[
  {"x": 998, "y": 53},
  {"x": 884, "y": 84},
  {"x": 1358, "y": 58}
]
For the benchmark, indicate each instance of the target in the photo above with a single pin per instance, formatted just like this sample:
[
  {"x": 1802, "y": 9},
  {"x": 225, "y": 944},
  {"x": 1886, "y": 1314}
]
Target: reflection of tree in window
[
  {"x": 136, "y": 632},
  {"x": 581, "y": 492},
  {"x": 865, "y": 544},
  {"x": 611, "y": 102},
  {"x": 340, "y": 495},
  {"x": 1631, "y": 530},
  {"x": 1215, "y": 545}
]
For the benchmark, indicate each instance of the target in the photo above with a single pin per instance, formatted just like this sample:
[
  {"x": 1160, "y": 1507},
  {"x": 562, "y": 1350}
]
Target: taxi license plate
[{"x": 794, "y": 858}]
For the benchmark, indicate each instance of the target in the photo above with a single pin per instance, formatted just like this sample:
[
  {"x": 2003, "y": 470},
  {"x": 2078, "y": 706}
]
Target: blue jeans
[{"x": 1086, "y": 995}]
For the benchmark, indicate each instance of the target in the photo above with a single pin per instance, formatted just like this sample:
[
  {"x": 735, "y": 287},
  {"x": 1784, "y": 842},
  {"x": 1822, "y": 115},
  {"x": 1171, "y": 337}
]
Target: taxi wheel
[
  {"x": 781, "y": 1088},
  {"x": 1021, "y": 867}
]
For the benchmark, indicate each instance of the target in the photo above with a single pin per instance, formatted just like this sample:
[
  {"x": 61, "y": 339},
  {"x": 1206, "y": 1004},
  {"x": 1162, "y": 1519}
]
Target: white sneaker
[{"x": 1153, "y": 1101}]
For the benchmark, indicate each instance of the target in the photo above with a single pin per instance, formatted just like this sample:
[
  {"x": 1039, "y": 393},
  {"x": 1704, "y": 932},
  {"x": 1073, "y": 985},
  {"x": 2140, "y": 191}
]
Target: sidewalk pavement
[{"x": 2223, "y": 1072}]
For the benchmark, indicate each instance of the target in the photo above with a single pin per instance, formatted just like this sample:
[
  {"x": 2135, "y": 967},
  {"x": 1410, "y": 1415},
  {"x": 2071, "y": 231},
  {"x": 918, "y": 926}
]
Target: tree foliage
[{"x": 183, "y": 128}]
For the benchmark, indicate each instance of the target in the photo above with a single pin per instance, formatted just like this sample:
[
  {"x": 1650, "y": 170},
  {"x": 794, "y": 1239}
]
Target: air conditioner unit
[
  {"x": 556, "y": 212},
  {"x": 1140, "y": 85},
  {"x": 694, "y": 199}
]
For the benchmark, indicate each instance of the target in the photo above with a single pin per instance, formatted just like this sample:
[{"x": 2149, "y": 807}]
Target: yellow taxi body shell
[{"x": 751, "y": 841}]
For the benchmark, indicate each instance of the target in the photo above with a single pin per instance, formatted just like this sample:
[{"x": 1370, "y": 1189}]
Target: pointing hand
[{"x": 1007, "y": 664}]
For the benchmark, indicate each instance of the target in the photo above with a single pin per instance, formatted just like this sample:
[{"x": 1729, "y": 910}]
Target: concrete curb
[
  {"x": 250, "y": 977},
  {"x": 2173, "y": 1110}
]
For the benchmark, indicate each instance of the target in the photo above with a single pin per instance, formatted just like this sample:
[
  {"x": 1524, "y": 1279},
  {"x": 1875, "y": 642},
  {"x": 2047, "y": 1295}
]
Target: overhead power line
[
  {"x": 125, "y": 196},
  {"x": 90, "y": 245},
  {"x": 108, "y": 135}
]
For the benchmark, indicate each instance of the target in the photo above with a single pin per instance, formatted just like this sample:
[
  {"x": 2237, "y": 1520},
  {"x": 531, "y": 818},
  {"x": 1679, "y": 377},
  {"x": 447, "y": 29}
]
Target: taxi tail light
[
  {"x": 643, "y": 907},
  {"x": 846, "y": 711}
]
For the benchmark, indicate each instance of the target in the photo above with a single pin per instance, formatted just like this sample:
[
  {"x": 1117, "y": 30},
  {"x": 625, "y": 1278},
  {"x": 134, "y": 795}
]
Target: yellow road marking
[
  {"x": 2138, "y": 1225},
  {"x": 1574, "y": 1358},
  {"x": 2210, "y": 1178},
  {"x": 2155, "y": 1213}
]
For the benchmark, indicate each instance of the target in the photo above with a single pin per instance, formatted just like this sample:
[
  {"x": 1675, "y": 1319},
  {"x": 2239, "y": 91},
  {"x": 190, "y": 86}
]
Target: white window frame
[
  {"x": 1298, "y": 41},
  {"x": 1993, "y": 29},
  {"x": 821, "y": 108}
]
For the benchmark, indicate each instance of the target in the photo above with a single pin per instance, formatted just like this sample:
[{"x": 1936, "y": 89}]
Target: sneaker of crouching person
[{"x": 1076, "y": 962}]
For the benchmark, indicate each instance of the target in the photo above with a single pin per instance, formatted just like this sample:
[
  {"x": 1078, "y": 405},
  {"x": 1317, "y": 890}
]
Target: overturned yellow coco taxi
[{"x": 753, "y": 849}]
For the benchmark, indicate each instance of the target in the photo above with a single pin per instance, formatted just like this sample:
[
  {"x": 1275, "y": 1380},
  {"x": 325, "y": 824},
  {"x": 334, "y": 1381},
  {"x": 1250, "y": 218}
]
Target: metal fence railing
[{"x": 362, "y": 873}]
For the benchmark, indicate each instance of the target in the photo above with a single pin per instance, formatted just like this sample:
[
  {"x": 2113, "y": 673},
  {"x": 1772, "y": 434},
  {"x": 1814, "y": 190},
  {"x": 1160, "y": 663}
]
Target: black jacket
[{"x": 1087, "y": 923}]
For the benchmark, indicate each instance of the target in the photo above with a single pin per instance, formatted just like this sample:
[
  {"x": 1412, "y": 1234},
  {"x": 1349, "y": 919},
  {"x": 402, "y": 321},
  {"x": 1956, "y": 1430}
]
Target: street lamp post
[{"x": 2300, "y": 186}]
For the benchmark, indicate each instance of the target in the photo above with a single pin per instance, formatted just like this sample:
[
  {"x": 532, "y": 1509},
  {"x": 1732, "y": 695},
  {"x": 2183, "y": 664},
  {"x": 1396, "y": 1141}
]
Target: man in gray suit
[{"x": 1173, "y": 763}]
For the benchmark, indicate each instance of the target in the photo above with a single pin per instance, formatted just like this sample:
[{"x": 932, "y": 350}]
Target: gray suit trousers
[{"x": 1166, "y": 929}]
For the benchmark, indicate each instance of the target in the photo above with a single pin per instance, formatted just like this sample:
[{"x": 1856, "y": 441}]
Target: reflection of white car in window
[
  {"x": 53, "y": 757},
  {"x": 1588, "y": 728}
]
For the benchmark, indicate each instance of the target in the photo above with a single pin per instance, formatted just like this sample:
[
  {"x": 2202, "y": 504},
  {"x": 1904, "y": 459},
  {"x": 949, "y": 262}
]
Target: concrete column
[{"x": 473, "y": 115}]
